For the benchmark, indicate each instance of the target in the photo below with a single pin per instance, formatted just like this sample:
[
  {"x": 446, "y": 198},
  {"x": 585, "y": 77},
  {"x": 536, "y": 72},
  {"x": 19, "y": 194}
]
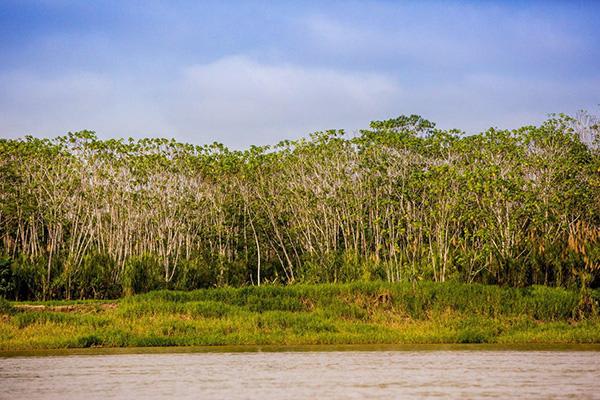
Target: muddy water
[{"x": 313, "y": 374}]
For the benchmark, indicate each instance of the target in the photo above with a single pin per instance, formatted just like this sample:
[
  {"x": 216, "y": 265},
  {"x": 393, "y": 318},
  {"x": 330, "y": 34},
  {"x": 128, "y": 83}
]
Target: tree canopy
[{"x": 83, "y": 217}]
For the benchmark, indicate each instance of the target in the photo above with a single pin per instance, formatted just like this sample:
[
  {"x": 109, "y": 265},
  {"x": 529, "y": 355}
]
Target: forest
[{"x": 402, "y": 201}]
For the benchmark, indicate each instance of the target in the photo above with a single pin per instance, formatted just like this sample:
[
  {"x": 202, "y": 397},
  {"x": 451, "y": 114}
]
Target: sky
[{"x": 257, "y": 72}]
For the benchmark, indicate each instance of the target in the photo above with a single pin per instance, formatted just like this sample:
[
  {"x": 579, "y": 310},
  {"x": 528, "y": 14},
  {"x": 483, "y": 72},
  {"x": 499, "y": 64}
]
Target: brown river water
[{"x": 377, "y": 374}]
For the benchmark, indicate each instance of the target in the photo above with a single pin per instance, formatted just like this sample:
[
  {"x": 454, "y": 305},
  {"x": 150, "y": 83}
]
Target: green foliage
[
  {"x": 141, "y": 274},
  {"x": 95, "y": 278},
  {"x": 195, "y": 273},
  {"x": 28, "y": 278},
  {"x": 89, "y": 341},
  {"x": 355, "y": 313},
  {"x": 7, "y": 284},
  {"x": 403, "y": 202},
  {"x": 474, "y": 330},
  {"x": 5, "y": 307}
]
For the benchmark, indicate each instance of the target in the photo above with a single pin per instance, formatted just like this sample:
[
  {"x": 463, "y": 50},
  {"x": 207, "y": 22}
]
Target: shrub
[
  {"x": 7, "y": 284},
  {"x": 141, "y": 274}
]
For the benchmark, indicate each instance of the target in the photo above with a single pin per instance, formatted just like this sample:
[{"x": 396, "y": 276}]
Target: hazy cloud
[
  {"x": 53, "y": 105},
  {"x": 235, "y": 100},
  {"x": 240, "y": 100},
  {"x": 259, "y": 72}
]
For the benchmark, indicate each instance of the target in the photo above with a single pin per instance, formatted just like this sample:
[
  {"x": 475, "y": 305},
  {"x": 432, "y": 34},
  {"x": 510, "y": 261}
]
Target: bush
[
  {"x": 141, "y": 274},
  {"x": 89, "y": 341},
  {"x": 95, "y": 278},
  {"x": 7, "y": 284},
  {"x": 194, "y": 274},
  {"x": 5, "y": 307},
  {"x": 28, "y": 278}
]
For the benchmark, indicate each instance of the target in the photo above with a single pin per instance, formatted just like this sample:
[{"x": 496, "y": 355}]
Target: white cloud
[
  {"x": 51, "y": 106},
  {"x": 480, "y": 101},
  {"x": 234, "y": 100},
  {"x": 240, "y": 101},
  {"x": 172, "y": 71},
  {"x": 243, "y": 101}
]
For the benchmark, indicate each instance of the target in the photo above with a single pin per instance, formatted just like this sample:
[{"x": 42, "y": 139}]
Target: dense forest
[{"x": 82, "y": 217}]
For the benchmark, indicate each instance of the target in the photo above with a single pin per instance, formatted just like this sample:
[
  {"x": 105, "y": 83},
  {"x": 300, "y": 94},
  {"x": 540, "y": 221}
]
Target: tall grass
[{"x": 366, "y": 312}]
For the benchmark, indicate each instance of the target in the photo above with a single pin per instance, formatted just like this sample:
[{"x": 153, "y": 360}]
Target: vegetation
[
  {"x": 356, "y": 313},
  {"x": 400, "y": 202}
]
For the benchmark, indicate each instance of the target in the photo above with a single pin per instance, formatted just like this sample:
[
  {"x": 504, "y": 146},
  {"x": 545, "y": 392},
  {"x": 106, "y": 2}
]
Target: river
[{"x": 377, "y": 374}]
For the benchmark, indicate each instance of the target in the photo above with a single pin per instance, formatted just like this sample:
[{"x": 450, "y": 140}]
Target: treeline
[{"x": 402, "y": 201}]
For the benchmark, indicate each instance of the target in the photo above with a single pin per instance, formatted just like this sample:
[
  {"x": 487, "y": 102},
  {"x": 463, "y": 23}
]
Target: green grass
[{"x": 358, "y": 313}]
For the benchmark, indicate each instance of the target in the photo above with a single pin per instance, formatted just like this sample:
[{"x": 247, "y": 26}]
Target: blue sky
[{"x": 256, "y": 72}]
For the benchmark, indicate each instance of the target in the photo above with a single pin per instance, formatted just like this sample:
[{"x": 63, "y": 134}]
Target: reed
[{"x": 356, "y": 313}]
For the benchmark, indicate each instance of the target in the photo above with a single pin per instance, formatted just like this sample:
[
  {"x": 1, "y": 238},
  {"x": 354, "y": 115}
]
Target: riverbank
[
  {"x": 358, "y": 313},
  {"x": 304, "y": 348}
]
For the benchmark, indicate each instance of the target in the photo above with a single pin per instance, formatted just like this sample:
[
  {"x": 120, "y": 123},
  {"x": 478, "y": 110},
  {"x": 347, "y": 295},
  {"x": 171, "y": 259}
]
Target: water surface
[{"x": 313, "y": 374}]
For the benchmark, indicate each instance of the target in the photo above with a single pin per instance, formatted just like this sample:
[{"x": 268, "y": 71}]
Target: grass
[{"x": 358, "y": 313}]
